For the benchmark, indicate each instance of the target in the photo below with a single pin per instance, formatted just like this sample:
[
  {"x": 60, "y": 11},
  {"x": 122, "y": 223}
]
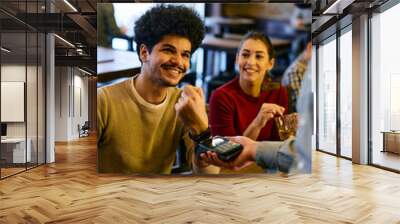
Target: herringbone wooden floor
[{"x": 70, "y": 191}]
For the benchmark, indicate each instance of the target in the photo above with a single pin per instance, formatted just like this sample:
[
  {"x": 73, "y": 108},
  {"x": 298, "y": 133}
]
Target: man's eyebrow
[
  {"x": 169, "y": 45},
  {"x": 172, "y": 46}
]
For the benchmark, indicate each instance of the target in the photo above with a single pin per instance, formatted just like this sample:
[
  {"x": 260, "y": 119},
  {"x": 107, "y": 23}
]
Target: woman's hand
[{"x": 266, "y": 113}]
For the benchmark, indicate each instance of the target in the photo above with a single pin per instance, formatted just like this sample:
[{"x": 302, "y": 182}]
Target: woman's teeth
[{"x": 250, "y": 70}]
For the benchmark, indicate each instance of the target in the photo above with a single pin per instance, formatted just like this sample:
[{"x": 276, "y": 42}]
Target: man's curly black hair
[{"x": 169, "y": 20}]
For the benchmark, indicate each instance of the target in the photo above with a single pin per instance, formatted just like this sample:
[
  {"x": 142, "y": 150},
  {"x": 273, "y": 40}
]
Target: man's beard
[
  {"x": 165, "y": 83},
  {"x": 162, "y": 81}
]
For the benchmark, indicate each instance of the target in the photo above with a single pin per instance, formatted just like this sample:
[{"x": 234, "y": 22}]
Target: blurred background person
[
  {"x": 107, "y": 27},
  {"x": 301, "y": 22},
  {"x": 293, "y": 76}
]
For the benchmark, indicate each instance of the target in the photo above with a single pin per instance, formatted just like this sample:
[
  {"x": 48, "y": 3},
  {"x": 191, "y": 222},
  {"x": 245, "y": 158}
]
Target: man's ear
[{"x": 143, "y": 53}]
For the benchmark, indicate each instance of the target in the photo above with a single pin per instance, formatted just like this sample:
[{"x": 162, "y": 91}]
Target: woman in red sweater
[{"x": 247, "y": 104}]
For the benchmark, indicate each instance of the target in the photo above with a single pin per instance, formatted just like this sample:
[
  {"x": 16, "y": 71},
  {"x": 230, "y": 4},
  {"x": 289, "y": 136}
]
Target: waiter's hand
[{"x": 245, "y": 158}]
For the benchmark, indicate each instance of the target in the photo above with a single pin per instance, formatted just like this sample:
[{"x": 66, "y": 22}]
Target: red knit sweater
[{"x": 232, "y": 110}]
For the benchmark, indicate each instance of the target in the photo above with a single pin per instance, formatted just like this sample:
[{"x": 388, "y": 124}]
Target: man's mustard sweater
[{"x": 135, "y": 136}]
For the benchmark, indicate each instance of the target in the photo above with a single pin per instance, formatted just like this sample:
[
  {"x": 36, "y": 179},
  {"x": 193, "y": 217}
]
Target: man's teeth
[{"x": 173, "y": 70}]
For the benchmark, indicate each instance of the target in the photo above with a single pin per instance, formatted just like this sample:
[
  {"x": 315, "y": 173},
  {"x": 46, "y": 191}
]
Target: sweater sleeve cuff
[
  {"x": 266, "y": 154},
  {"x": 274, "y": 156}
]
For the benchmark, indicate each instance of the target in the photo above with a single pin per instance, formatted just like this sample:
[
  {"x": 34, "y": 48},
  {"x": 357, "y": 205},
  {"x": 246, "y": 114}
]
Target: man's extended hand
[{"x": 191, "y": 109}]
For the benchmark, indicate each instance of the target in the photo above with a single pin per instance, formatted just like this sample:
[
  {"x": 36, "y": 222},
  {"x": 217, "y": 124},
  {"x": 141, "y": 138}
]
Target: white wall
[
  {"x": 13, "y": 73},
  {"x": 33, "y": 127},
  {"x": 80, "y": 109},
  {"x": 61, "y": 103},
  {"x": 71, "y": 94}
]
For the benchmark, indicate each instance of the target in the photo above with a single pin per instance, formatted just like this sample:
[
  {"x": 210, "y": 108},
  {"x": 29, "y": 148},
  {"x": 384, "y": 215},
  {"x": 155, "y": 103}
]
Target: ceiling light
[
  {"x": 65, "y": 41},
  {"x": 338, "y": 6},
  {"x": 70, "y": 5},
  {"x": 5, "y": 50},
  {"x": 84, "y": 71},
  {"x": 79, "y": 51},
  {"x": 329, "y": 9}
]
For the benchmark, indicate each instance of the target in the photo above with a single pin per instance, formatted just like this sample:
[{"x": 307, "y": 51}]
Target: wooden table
[
  {"x": 112, "y": 64},
  {"x": 210, "y": 21},
  {"x": 220, "y": 25}
]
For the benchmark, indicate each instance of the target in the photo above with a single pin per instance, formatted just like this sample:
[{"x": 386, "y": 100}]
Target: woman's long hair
[{"x": 267, "y": 83}]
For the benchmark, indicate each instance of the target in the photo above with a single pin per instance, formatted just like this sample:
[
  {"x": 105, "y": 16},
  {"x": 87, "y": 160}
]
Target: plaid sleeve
[{"x": 295, "y": 74}]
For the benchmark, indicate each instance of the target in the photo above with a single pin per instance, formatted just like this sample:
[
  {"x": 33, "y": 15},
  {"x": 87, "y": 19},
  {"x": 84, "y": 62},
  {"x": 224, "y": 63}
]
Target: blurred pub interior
[{"x": 213, "y": 64}]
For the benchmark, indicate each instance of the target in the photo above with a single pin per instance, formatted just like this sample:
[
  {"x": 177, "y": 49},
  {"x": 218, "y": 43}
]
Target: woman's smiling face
[{"x": 253, "y": 60}]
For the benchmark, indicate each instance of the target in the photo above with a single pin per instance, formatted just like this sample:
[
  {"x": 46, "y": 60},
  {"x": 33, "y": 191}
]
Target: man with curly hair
[{"x": 140, "y": 121}]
